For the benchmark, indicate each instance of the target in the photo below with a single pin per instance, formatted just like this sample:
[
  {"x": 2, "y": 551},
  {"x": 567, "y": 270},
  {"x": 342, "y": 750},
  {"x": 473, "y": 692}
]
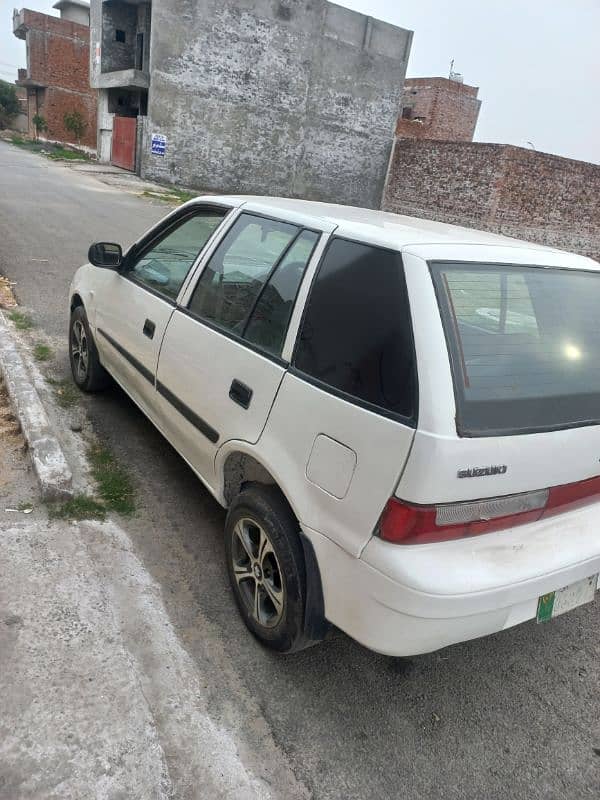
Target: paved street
[{"x": 512, "y": 716}]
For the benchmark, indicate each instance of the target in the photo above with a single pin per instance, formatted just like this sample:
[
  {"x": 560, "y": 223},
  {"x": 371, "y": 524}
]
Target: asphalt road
[{"x": 514, "y": 715}]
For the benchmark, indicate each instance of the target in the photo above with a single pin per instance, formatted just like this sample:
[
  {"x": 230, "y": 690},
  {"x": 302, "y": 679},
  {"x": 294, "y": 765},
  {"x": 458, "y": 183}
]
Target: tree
[
  {"x": 9, "y": 103},
  {"x": 75, "y": 123},
  {"x": 40, "y": 124}
]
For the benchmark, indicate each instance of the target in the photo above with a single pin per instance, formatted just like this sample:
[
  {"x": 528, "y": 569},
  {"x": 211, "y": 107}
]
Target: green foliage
[
  {"x": 54, "y": 151},
  {"x": 58, "y": 153},
  {"x": 40, "y": 124},
  {"x": 41, "y": 352},
  {"x": 174, "y": 196},
  {"x": 75, "y": 123},
  {"x": 22, "y": 322},
  {"x": 79, "y": 507},
  {"x": 9, "y": 103},
  {"x": 115, "y": 486}
]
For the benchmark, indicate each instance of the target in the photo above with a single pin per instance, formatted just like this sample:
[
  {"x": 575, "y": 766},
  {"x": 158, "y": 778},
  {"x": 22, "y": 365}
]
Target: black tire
[
  {"x": 264, "y": 507},
  {"x": 88, "y": 373}
]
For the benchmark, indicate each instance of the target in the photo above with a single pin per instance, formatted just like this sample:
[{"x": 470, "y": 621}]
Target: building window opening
[
  {"x": 407, "y": 112},
  {"x": 120, "y": 36}
]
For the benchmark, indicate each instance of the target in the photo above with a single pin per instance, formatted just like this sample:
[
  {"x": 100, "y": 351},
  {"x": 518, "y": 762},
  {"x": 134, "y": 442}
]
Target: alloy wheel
[
  {"x": 79, "y": 350},
  {"x": 257, "y": 572}
]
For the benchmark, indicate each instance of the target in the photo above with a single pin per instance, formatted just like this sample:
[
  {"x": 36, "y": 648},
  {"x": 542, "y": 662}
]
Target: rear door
[
  {"x": 343, "y": 422},
  {"x": 220, "y": 364},
  {"x": 133, "y": 307}
]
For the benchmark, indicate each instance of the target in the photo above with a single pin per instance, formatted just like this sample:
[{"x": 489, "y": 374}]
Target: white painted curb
[{"x": 49, "y": 463}]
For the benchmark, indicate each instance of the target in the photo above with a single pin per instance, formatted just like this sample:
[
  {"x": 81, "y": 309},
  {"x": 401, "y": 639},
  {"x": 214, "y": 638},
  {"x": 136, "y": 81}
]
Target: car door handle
[
  {"x": 240, "y": 393},
  {"x": 149, "y": 328}
]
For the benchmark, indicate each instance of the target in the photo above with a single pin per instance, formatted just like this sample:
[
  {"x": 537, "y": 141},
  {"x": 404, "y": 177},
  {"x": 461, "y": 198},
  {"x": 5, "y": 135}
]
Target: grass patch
[
  {"x": 25, "y": 507},
  {"x": 53, "y": 151},
  {"x": 82, "y": 506},
  {"x": 64, "y": 153},
  {"x": 173, "y": 196},
  {"x": 21, "y": 321},
  {"x": 115, "y": 486},
  {"x": 41, "y": 352},
  {"x": 19, "y": 141},
  {"x": 66, "y": 393}
]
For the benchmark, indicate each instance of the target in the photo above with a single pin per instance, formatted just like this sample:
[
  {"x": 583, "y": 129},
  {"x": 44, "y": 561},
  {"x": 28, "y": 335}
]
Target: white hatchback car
[{"x": 402, "y": 417}]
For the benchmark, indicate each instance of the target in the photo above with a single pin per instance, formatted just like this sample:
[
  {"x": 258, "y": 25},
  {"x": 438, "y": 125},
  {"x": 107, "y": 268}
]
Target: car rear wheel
[
  {"x": 266, "y": 567},
  {"x": 88, "y": 372}
]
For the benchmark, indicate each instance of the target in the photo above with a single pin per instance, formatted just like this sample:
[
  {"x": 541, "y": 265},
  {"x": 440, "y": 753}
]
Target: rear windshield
[{"x": 524, "y": 345}]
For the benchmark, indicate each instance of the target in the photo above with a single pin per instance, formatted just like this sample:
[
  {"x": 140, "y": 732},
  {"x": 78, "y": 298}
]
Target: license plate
[{"x": 577, "y": 594}]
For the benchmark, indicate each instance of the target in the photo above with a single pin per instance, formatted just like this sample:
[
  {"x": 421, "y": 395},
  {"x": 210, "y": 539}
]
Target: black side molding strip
[
  {"x": 144, "y": 371},
  {"x": 205, "y": 429},
  {"x": 211, "y": 434}
]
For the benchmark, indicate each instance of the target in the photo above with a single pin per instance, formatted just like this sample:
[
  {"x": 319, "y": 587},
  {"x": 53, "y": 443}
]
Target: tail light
[{"x": 403, "y": 523}]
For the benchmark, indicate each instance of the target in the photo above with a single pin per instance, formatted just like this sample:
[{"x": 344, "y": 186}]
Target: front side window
[
  {"x": 524, "y": 344},
  {"x": 249, "y": 286},
  {"x": 356, "y": 336},
  {"x": 164, "y": 265}
]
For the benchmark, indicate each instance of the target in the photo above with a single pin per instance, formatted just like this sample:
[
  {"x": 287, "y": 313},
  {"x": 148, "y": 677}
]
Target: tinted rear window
[{"x": 524, "y": 344}]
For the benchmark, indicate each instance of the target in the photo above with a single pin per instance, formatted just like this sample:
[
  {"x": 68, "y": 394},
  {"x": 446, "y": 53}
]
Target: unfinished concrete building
[{"x": 290, "y": 97}]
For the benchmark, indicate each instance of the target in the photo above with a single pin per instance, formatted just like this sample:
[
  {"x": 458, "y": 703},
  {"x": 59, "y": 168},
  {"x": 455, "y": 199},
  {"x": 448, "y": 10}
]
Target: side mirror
[{"x": 105, "y": 254}]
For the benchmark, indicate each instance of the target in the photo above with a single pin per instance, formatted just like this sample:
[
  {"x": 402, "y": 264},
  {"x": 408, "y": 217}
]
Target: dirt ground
[
  {"x": 11, "y": 447},
  {"x": 7, "y": 299}
]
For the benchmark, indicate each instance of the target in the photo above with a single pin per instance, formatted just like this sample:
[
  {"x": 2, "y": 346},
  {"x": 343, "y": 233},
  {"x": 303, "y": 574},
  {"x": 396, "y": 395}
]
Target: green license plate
[{"x": 562, "y": 600}]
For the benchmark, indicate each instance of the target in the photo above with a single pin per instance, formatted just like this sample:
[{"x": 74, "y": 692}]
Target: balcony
[{"x": 123, "y": 79}]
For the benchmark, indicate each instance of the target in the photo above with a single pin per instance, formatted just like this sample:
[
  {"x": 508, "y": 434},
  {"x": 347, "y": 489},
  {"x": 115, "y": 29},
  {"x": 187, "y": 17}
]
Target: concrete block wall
[
  {"x": 510, "y": 190},
  {"x": 290, "y": 97}
]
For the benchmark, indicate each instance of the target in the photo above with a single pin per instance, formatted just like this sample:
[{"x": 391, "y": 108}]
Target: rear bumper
[{"x": 408, "y": 600}]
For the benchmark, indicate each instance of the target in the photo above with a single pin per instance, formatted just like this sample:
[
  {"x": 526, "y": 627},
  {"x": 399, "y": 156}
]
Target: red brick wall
[
  {"x": 445, "y": 110},
  {"x": 58, "y": 58},
  {"x": 510, "y": 190},
  {"x": 56, "y": 102}
]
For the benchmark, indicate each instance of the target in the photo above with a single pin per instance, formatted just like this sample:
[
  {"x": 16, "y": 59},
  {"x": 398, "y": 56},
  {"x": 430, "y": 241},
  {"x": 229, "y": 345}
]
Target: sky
[{"x": 537, "y": 62}]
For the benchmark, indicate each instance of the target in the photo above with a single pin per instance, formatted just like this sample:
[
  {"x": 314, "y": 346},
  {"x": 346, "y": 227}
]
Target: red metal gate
[{"x": 123, "y": 142}]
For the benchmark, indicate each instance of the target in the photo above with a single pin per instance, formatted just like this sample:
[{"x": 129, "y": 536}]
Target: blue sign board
[{"x": 159, "y": 144}]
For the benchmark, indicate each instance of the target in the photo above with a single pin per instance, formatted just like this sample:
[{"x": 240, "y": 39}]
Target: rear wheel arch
[
  {"x": 243, "y": 471},
  {"x": 76, "y": 302}
]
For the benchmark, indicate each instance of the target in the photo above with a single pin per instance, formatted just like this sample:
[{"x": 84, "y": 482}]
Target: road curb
[{"x": 49, "y": 463}]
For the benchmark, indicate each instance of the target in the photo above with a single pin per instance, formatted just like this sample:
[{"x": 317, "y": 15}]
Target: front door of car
[
  {"x": 220, "y": 364},
  {"x": 134, "y": 306}
]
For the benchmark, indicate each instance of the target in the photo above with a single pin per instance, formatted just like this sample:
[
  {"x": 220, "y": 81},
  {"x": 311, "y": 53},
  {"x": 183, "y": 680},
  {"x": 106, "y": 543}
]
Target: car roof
[{"x": 384, "y": 228}]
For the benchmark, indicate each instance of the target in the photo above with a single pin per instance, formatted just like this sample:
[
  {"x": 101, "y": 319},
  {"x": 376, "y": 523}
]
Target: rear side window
[
  {"x": 356, "y": 336},
  {"x": 524, "y": 344}
]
